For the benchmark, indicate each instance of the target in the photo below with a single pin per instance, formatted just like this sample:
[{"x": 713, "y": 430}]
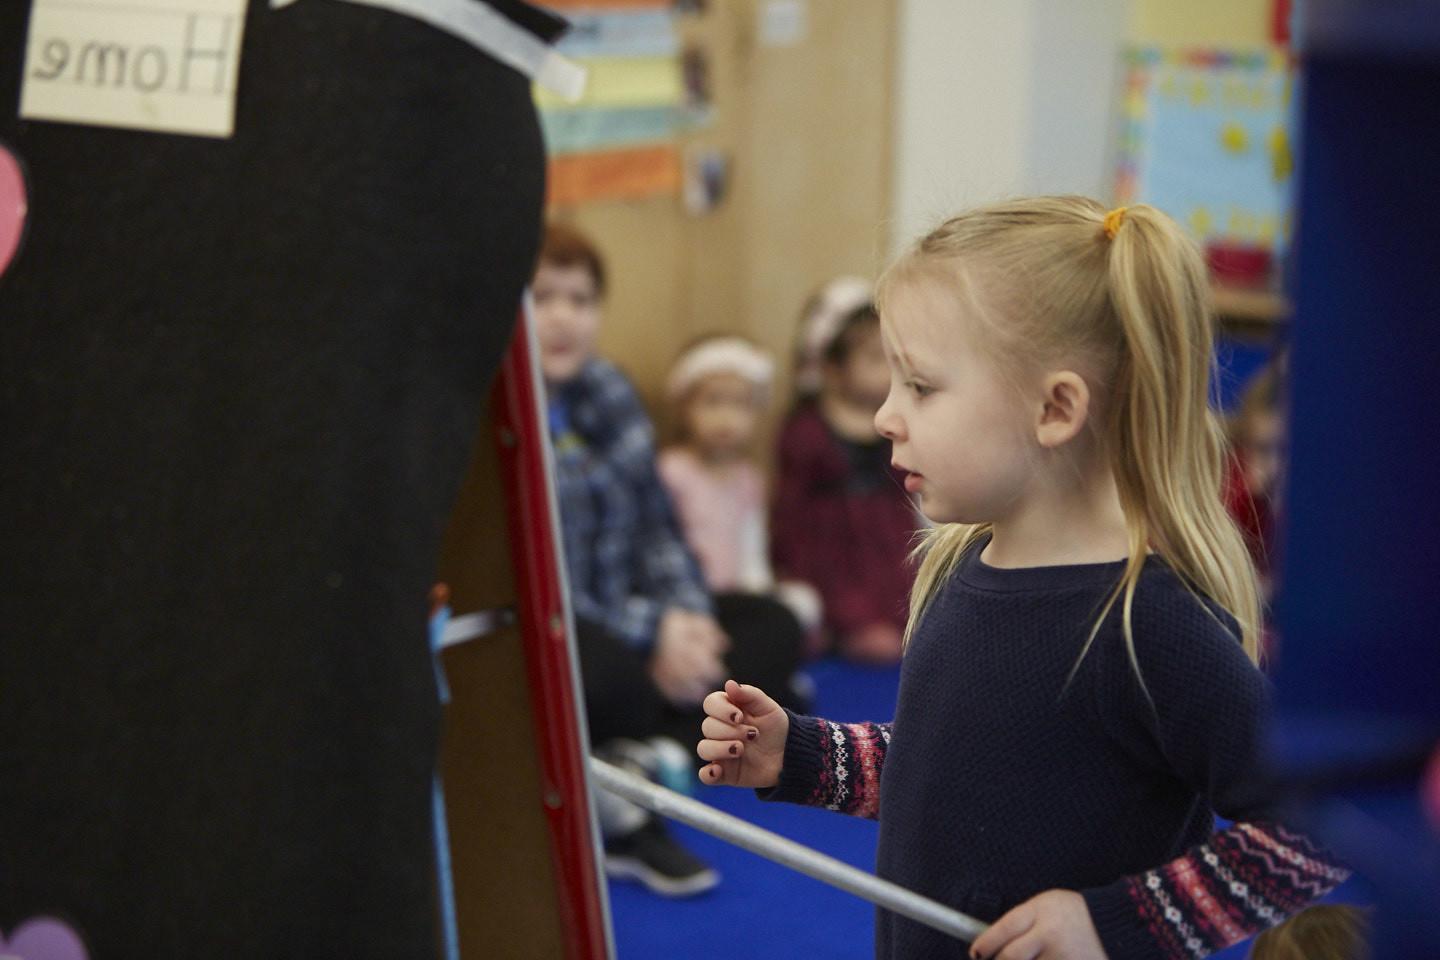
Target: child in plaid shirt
[{"x": 652, "y": 640}]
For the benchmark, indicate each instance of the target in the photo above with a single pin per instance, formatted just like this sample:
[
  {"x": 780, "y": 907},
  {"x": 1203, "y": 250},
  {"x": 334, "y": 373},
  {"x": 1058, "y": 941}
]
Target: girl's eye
[{"x": 920, "y": 389}]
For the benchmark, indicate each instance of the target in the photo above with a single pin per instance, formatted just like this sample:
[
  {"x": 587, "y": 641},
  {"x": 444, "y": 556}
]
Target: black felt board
[{"x": 239, "y": 382}]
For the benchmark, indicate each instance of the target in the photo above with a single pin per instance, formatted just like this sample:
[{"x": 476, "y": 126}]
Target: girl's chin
[
  {"x": 930, "y": 510},
  {"x": 937, "y": 513}
]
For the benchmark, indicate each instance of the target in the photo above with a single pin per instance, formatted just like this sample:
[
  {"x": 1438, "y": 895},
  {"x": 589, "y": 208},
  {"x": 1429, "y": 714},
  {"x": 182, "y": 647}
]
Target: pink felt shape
[
  {"x": 43, "y": 938},
  {"x": 13, "y": 207}
]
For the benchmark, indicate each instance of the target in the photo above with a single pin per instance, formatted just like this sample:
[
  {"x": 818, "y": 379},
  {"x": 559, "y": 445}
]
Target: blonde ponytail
[
  {"x": 1128, "y": 293},
  {"x": 1168, "y": 444}
]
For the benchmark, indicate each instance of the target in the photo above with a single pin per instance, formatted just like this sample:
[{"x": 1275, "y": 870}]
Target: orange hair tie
[{"x": 1112, "y": 221}]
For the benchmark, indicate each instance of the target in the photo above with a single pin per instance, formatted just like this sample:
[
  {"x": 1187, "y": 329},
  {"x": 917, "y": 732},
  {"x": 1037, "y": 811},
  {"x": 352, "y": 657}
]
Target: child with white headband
[{"x": 720, "y": 388}]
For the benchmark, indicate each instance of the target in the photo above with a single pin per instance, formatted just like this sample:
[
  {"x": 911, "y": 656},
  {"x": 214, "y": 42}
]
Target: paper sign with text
[{"x": 171, "y": 66}]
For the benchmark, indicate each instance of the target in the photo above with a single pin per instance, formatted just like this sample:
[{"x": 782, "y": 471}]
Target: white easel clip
[{"x": 489, "y": 32}]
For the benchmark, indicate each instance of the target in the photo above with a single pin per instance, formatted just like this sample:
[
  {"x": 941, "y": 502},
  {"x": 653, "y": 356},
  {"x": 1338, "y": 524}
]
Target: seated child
[
  {"x": 1254, "y": 480},
  {"x": 1253, "y": 487},
  {"x": 720, "y": 387},
  {"x": 649, "y": 634},
  {"x": 842, "y": 521}
]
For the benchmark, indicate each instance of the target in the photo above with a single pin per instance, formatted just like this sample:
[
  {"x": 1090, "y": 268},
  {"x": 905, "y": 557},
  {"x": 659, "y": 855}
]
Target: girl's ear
[{"x": 1065, "y": 405}]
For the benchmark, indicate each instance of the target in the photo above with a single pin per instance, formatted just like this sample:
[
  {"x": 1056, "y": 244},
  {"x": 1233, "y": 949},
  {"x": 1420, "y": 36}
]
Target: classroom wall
[
  {"x": 808, "y": 131},
  {"x": 995, "y": 100},
  {"x": 1075, "y": 51},
  {"x": 886, "y": 116},
  {"x": 961, "y": 104}
]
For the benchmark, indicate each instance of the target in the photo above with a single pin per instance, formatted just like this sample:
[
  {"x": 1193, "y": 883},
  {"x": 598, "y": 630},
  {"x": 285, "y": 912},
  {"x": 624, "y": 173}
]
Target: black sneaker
[{"x": 653, "y": 857}]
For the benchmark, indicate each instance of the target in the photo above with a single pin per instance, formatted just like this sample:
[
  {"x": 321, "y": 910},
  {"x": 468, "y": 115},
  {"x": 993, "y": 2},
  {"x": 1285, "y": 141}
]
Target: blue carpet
[{"x": 763, "y": 911}]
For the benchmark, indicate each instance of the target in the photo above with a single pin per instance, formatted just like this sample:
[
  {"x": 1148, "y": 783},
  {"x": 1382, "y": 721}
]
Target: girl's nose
[{"x": 887, "y": 423}]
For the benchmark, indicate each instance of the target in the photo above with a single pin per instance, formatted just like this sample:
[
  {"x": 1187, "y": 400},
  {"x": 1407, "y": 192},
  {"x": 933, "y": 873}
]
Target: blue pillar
[{"x": 1359, "y": 671}]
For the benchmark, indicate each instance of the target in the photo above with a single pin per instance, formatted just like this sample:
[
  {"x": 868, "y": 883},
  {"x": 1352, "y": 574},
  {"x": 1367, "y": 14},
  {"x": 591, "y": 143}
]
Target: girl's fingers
[
  {"x": 719, "y": 749},
  {"x": 720, "y": 730},
  {"x": 712, "y": 774},
  {"x": 1009, "y": 928},
  {"x": 1028, "y": 947},
  {"x": 719, "y": 706},
  {"x": 750, "y": 699}
]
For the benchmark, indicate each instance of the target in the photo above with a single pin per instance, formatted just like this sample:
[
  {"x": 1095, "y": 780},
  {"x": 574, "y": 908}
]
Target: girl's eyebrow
[
  {"x": 914, "y": 368},
  {"x": 894, "y": 349},
  {"x": 909, "y": 367}
]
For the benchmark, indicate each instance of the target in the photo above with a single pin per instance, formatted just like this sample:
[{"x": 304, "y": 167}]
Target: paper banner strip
[
  {"x": 623, "y": 82},
  {"x": 607, "y": 128},
  {"x": 613, "y": 175},
  {"x": 565, "y": 7},
  {"x": 490, "y": 32},
  {"x": 628, "y": 33}
]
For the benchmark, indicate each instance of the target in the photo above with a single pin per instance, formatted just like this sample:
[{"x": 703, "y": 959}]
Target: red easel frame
[{"x": 545, "y": 626}]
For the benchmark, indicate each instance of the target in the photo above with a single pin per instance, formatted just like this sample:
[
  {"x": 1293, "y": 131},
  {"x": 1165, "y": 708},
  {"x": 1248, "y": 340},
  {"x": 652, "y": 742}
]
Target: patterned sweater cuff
[
  {"x": 1118, "y": 920},
  {"x": 1250, "y": 876},
  {"x": 833, "y": 765},
  {"x": 802, "y": 766}
]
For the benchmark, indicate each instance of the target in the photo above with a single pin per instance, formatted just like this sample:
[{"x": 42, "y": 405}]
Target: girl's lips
[{"x": 913, "y": 482}]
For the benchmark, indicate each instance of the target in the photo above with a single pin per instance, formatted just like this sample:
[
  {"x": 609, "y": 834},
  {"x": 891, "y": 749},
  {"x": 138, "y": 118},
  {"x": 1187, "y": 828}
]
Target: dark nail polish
[
  {"x": 751, "y": 734},
  {"x": 734, "y": 749}
]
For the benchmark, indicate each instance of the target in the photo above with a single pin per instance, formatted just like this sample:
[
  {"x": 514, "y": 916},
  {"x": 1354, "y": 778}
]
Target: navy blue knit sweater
[{"x": 997, "y": 781}]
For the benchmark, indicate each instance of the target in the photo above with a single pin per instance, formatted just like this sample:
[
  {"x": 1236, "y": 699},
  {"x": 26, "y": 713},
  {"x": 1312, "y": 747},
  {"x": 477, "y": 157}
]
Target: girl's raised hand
[{"x": 745, "y": 735}]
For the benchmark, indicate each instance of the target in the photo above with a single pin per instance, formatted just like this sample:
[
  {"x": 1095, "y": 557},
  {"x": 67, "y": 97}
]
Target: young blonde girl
[{"x": 1079, "y": 690}]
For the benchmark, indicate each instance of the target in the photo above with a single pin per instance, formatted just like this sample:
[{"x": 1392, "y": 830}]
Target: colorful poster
[
  {"x": 1206, "y": 137},
  {"x": 619, "y": 140}
]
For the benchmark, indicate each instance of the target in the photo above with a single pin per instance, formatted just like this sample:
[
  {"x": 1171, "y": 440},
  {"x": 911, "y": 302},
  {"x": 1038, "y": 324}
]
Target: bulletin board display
[
  {"x": 645, "y": 87},
  {"x": 1206, "y": 135}
]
